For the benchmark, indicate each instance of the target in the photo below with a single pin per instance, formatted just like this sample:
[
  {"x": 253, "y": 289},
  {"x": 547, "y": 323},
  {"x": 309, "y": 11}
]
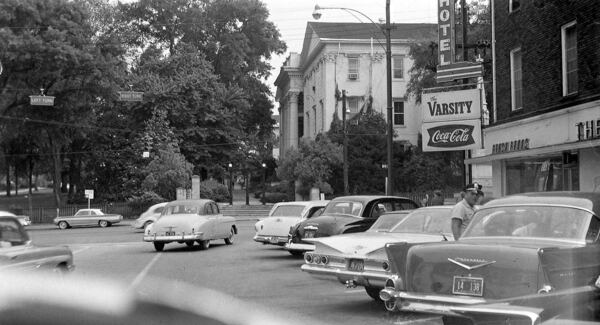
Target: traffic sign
[
  {"x": 41, "y": 100},
  {"x": 131, "y": 96},
  {"x": 458, "y": 70},
  {"x": 89, "y": 194}
]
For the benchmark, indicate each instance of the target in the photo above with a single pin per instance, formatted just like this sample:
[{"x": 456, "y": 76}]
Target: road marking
[{"x": 144, "y": 272}]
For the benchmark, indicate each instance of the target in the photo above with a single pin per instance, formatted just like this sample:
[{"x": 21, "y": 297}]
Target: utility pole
[
  {"x": 463, "y": 7},
  {"x": 390, "y": 130},
  {"x": 345, "y": 158}
]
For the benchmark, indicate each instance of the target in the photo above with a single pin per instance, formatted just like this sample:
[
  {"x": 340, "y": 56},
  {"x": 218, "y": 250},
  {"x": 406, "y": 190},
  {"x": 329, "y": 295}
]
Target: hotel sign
[{"x": 446, "y": 31}]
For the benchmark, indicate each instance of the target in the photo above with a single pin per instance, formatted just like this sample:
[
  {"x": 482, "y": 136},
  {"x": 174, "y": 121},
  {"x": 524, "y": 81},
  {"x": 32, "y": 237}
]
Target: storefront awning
[{"x": 540, "y": 151}]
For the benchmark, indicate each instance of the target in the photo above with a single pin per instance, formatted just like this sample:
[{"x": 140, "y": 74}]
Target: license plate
[
  {"x": 467, "y": 286},
  {"x": 309, "y": 234},
  {"x": 356, "y": 265},
  {"x": 169, "y": 233}
]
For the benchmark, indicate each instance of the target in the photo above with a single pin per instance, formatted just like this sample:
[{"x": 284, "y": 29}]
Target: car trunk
[
  {"x": 277, "y": 226},
  {"x": 479, "y": 270},
  {"x": 176, "y": 223}
]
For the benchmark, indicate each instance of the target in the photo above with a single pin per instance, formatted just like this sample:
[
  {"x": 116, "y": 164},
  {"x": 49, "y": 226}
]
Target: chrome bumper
[
  {"x": 275, "y": 240},
  {"x": 422, "y": 303},
  {"x": 173, "y": 238},
  {"x": 299, "y": 247},
  {"x": 365, "y": 278}
]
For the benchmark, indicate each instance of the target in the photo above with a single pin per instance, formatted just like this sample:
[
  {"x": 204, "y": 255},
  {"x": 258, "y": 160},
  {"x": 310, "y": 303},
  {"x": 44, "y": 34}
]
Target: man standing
[{"x": 463, "y": 211}]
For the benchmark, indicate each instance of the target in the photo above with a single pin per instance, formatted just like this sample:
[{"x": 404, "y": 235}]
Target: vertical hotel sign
[
  {"x": 452, "y": 120},
  {"x": 446, "y": 32}
]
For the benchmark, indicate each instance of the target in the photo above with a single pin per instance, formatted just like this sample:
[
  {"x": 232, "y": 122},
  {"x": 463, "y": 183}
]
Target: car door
[
  {"x": 79, "y": 219},
  {"x": 222, "y": 223},
  {"x": 92, "y": 218},
  {"x": 211, "y": 219}
]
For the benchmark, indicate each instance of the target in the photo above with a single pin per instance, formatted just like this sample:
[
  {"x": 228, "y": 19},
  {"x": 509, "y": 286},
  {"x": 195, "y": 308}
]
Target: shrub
[
  {"x": 214, "y": 190},
  {"x": 274, "y": 198},
  {"x": 140, "y": 203}
]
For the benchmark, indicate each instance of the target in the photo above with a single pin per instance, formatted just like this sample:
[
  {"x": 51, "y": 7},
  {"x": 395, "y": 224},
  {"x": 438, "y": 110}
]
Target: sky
[{"x": 291, "y": 18}]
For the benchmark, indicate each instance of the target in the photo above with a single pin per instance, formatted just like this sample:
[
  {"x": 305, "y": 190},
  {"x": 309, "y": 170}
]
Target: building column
[{"x": 293, "y": 119}]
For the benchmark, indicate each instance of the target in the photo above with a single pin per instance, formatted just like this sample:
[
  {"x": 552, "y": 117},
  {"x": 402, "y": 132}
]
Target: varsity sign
[
  {"x": 452, "y": 106},
  {"x": 446, "y": 31},
  {"x": 445, "y": 136}
]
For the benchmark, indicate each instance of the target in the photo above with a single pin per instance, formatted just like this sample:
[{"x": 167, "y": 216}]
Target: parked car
[
  {"x": 149, "y": 216},
  {"x": 275, "y": 227},
  {"x": 88, "y": 217},
  {"x": 19, "y": 253},
  {"x": 345, "y": 214},
  {"x": 518, "y": 246},
  {"x": 189, "y": 221},
  {"x": 24, "y": 220},
  {"x": 360, "y": 259}
]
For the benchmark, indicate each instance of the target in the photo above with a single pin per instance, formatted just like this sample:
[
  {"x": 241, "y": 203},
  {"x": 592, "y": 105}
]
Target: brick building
[{"x": 545, "y": 131}]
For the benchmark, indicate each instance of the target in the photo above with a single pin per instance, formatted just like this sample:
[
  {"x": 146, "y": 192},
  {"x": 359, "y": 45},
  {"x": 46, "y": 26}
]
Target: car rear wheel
[
  {"x": 229, "y": 240},
  {"x": 296, "y": 253},
  {"x": 189, "y": 243},
  {"x": 103, "y": 223},
  {"x": 159, "y": 246},
  {"x": 63, "y": 225},
  {"x": 204, "y": 244},
  {"x": 373, "y": 293}
]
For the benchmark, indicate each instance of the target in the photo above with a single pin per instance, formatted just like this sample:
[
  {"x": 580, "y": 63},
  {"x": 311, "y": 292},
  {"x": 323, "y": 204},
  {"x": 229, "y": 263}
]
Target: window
[
  {"x": 569, "y": 58},
  {"x": 352, "y": 106},
  {"x": 353, "y": 67},
  {"x": 398, "y": 66},
  {"x": 314, "y": 122},
  {"x": 513, "y": 5},
  {"x": 399, "y": 113},
  {"x": 541, "y": 174},
  {"x": 516, "y": 79}
]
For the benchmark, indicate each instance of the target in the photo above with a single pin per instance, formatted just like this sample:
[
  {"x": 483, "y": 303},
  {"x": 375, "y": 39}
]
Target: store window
[{"x": 555, "y": 173}]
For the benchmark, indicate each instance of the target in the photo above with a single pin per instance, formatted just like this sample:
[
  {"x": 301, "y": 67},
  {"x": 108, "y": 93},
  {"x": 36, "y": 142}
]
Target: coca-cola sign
[{"x": 447, "y": 136}]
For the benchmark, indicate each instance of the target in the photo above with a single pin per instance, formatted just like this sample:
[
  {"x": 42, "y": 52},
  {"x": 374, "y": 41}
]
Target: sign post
[
  {"x": 89, "y": 194},
  {"x": 131, "y": 96}
]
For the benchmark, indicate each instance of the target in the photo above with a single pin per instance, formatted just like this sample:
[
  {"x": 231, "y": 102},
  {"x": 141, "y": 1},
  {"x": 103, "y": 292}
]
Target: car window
[
  {"x": 288, "y": 211},
  {"x": 158, "y": 209},
  {"x": 315, "y": 212},
  {"x": 404, "y": 205},
  {"x": 81, "y": 213},
  {"x": 344, "y": 207},
  {"x": 593, "y": 230},
  {"x": 431, "y": 221},
  {"x": 93, "y": 213},
  {"x": 530, "y": 221},
  {"x": 387, "y": 221},
  {"x": 208, "y": 209},
  {"x": 215, "y": 208},
  {"x": 11, "y": 234},
  {"x": 180, "y": 209}
]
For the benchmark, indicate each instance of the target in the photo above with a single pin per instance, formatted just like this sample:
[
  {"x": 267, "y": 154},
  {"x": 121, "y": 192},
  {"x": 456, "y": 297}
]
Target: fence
[{"x": 46, "y": 215}]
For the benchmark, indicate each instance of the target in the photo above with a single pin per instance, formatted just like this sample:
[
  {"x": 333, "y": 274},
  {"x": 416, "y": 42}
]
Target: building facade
[
  {"x": 347, "y": 57},
  {"x": 545, "y": 131}
]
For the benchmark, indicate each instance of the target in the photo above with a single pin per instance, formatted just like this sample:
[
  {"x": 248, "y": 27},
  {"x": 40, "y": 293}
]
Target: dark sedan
[
  {"x": 532, "y": 250},
  {"x": 18, "y": 253},
  {"x": 345, "y": 214}
]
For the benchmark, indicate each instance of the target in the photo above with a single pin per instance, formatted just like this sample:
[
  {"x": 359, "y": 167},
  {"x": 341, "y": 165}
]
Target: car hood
[
  {"x": 279, "y": 226},
  {"x": 367, "y": 243},
  {"x": 179, "y": 222}
]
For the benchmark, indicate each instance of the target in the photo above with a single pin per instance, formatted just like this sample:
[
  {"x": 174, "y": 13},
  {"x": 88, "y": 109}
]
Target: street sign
[
  {"x": 131, "y": 96},
  {"x": 89, "y": 194},
  {"x": 458, "y": 70},
  {"x": 41, "y": 100}
]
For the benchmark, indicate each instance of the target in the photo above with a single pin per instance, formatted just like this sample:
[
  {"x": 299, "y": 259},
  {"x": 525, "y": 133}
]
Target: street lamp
[
  {"x": 264, "y": 166},
  {"x": 230, "y": 165},
  {"x": 388, "y": 58}
]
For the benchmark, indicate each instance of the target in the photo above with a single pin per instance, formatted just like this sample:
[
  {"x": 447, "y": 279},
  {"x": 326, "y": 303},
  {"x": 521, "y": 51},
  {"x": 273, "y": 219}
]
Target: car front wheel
[
  {"x": 63, "y": 225},
  {"x": 103, "y": 223},
  {"x": 229, "y": 240},
  {"x": 159, "y": 246}
]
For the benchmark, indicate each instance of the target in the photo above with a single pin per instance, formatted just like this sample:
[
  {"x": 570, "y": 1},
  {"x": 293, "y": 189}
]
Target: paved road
[{"x": 260, "y": 274}]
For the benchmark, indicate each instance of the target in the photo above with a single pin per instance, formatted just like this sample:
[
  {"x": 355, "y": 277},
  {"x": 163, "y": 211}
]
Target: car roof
[
  {"x": 7, "y": 214},
  {"x": 584, "y": 200},
  {"x": 304, "y": 203},
  {"x": 197, "y": 202},
  {"x": 367, "y": 198}
]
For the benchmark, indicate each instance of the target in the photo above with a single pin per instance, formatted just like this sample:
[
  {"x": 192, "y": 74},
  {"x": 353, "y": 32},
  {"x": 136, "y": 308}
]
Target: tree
[
  {"x": 311, "y": 164},
  {"x": 166, "y": 172}
]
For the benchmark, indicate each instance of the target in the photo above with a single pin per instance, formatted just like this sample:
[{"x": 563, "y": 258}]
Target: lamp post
[
  {"x": 388, "y": 56},
  {"x": 264, "y": 166},
  {"x": 230, "y": 165}
]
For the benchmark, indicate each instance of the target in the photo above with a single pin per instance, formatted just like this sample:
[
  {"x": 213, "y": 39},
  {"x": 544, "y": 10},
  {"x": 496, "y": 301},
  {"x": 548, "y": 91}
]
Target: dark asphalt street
[{"x": 265, "y": 275}]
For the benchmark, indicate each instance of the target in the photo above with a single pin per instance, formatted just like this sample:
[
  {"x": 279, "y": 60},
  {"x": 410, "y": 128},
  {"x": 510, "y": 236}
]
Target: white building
[{"x": 351, "y": 55}]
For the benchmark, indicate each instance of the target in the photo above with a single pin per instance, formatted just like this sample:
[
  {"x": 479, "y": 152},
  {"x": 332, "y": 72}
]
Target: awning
[{"x": 540, "y": 151}]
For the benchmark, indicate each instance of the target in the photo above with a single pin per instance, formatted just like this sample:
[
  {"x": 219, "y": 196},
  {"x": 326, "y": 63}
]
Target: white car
[
  {"x": 24, "y": 220},
  {"x": 275, "y": 228},
  {"x": 189, "y": 221},
  {"x": 149, "y": 216}
]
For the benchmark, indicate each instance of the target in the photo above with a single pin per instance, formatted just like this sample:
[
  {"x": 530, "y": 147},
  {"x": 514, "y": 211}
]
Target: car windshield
[
  {"x": 344, "y": 207},
  {"x": 180, "y": 209},
  {"x": 557, "y": 222},
  {"x": 288, "y": 211},
  {"x": 11, "y": 233},
  {"x": 388, "y": 221},
  {"x": 431, "y": 221}
]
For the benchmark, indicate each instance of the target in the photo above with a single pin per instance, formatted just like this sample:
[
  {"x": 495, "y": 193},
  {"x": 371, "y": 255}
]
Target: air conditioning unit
[{"x": 353, "y": 76}]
